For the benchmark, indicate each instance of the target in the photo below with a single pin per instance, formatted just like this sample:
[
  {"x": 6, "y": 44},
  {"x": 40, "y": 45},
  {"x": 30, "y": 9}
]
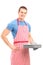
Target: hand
[
  {"x": 35, "y": 48},
  {"x": 34, "y": 43},
  {"x": 14, "y": 47}
]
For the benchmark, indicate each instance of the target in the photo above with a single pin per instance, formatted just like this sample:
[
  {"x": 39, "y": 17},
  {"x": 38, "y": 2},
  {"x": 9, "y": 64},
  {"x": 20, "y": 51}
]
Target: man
[{"x": 21, "y": 35}]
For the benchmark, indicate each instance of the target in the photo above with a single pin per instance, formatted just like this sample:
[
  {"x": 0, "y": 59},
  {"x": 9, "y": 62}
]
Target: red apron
[{"x": 21, "y": 56}]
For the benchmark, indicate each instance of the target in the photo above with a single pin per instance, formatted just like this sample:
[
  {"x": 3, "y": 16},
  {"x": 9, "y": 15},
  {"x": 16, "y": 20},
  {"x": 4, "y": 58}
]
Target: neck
[{"x": 20, "y": 19}]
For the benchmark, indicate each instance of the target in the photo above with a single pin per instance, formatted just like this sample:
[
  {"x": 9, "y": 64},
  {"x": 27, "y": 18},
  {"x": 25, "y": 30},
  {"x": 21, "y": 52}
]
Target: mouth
[{"x": 22, "y": 15}]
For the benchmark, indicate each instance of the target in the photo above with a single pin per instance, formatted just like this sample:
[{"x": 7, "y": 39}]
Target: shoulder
[
  {"x": 29, "y": 26},
  {"x": 11, "y": 24}
]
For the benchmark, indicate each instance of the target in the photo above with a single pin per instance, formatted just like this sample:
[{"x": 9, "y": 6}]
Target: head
[{"x": 22, "y": 12}]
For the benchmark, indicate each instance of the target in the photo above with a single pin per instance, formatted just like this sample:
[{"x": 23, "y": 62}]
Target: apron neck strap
[{"x": 18, "y": 22}]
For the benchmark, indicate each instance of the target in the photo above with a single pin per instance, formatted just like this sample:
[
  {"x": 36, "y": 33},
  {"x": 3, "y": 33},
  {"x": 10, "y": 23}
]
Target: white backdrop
[{"x": 8, "y": 12}]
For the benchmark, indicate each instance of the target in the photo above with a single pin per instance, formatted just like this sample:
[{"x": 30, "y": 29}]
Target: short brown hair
[{"x": 23, "y": 8}]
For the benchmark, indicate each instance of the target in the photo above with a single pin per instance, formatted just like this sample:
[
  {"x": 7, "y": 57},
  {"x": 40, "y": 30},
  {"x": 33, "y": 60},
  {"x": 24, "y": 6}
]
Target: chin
[{"x": 22, "y": 18}]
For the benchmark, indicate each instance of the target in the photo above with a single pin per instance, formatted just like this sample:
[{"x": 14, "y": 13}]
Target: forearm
[
  {"x": 7, "y": 42},
  {"x": 30, "y": 38}
]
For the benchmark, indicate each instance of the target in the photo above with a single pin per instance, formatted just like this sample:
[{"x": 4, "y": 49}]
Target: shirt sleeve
[
  {"x": 29, "y": 27},
  {"x": 10, "y": 26}
]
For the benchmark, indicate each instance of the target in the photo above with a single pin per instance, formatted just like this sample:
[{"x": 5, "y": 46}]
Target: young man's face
[{"x": 22, "y": 13}]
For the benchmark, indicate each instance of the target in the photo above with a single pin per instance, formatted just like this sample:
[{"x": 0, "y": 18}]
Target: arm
[
  {"x": 32, "y": 41},
  {"x": 3, "y": 36},
  {"x": 30, "y": 38}
]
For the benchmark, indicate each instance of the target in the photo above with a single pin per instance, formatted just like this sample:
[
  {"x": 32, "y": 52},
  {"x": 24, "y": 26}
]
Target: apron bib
[{"x": 21, "y": 56}]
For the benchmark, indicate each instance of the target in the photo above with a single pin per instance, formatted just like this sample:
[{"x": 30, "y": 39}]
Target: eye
[
  {"x": 25, "y": 13},
  {"x": 21, "y": 12}
]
